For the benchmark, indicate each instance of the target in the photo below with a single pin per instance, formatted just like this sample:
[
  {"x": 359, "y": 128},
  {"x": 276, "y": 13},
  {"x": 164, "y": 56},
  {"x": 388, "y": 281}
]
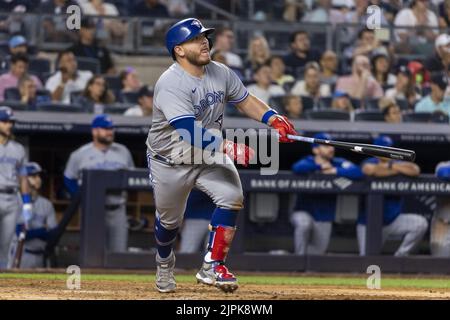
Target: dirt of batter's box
[{"x": 19, "y": 289}]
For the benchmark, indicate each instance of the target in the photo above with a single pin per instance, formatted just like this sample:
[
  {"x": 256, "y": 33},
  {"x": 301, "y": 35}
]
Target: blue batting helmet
[
  {"x": 32, "y": 168},
  {"x": 183, "y": 31},
  {"x": 384, "y": 141}
]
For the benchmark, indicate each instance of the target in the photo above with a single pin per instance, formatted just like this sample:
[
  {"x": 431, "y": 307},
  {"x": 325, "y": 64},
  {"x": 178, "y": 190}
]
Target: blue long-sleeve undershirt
[{"x": 195, "y": 135}]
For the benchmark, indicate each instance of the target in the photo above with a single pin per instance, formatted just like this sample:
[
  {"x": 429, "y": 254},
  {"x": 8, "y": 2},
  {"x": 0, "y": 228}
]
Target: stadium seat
[
  {"x": 436, "y": 117},
  {"x": 368, "y": 115},
  {"x": 356, "y": 103},
  {"x": 15, "y": 105},
  {"x": 308, "y": 103},
  {"x": 90, "y": 64},
  {"x": 325, "y": 102},
  {"x": 129, "y": 97},
  {"x": 59, "y": 107},
  {"x": 117, "y": 108},
  {"x": 113, "y": 82},
  {"x": 39, "y": 66},
  {"x": 371, "y": 104},
  {"x": 403, "y": 104},
  {"x": 327, "y": 115},
  {"x": 12, "y": 94}
]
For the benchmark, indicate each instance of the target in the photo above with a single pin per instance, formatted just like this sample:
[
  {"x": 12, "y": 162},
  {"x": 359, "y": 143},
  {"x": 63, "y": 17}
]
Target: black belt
[{"x": 8, "y": 191}]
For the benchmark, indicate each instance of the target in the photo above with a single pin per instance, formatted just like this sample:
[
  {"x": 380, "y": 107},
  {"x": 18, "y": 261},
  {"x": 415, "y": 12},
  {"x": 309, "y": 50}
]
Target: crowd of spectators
[{"x": 369, "y": 74}]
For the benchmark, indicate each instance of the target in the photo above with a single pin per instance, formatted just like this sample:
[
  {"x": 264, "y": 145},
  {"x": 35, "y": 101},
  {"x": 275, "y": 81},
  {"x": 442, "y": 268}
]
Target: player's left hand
[
  {"x": 239, "y": 152},
  {"x": 27, "y": 212},
  {"x": 284, "y": 127}
]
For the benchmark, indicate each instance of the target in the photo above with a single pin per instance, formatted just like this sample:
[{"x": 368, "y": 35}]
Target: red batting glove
[
  {"x": 238, "y": 152},
  {"x": 284, "y": 127}
]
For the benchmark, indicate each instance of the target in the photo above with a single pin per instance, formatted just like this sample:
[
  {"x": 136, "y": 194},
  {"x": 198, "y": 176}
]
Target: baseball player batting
[
  {"x": 190, "y": 97},
  {"x": 12, "y": 162}
]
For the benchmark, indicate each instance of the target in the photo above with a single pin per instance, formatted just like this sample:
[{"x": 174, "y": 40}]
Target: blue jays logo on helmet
[
  {"x": 183, "y": 31},
  {"x": 6, "y": 114},
  {"x": 383, "y": 141}
]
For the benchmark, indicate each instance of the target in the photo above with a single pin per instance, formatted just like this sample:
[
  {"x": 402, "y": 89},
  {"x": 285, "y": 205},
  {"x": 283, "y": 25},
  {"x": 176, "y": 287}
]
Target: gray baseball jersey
[
  {"x": 180, "y": 95},
  {"x": 43, "y": 217},
  {"x": 116, "y": 157},
  {"x": 12, "y": 160}
]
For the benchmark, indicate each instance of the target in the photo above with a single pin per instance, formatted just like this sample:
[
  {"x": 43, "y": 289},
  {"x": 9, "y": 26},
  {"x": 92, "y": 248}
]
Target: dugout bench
[{"x": 93, "y": 252}]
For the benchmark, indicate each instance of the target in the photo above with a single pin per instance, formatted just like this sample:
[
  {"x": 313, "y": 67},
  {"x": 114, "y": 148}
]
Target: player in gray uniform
[
  {"x": 43, "y": 219},
  {"x": 189, "y": 102},
  {"x": 12, "y": 160},
  {"x": 440, "y": 224},
  {"x": 103, "y": 153}
]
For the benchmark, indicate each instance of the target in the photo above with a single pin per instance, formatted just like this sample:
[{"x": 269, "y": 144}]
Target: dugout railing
[{"x": 93, "y": 252}]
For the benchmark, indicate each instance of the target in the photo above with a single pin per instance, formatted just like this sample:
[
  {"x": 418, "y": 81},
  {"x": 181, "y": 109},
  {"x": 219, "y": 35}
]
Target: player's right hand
[
  {"x": 284, "y": 127},
  {"x": 238, "y": 152}
]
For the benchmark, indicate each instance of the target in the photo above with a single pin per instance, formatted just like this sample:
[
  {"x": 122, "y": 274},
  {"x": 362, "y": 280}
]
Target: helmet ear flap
[{"x": 210, "y": 42}]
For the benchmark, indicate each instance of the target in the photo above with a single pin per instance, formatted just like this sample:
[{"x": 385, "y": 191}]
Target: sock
[
  {"x": 164, "y": 239},
  {"x": 222, "y": 229}
]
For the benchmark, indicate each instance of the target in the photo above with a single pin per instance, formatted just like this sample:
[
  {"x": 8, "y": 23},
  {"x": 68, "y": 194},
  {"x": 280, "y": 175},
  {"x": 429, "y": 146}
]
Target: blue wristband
[
  {"x": 26, "y": 198},
  {"x": 267, "y": 115}
]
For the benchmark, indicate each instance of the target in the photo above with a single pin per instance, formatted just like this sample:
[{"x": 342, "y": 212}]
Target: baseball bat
[
  {"x": 368, "y": 149},
  {"x": 19, "y": 249}
]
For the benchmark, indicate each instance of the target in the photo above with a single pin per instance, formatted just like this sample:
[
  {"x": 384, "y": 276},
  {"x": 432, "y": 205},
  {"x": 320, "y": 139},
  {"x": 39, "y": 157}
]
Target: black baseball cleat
[{"x": 217, "y": 274}]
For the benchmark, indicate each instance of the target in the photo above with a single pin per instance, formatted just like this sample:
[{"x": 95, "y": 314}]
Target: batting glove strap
[{"x": 267, "y": 115}]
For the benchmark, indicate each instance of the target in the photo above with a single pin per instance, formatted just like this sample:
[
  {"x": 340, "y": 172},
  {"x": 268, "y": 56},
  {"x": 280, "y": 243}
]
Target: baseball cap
[
  {"x": 439, "y": 79},
  {"x": 32, "y": 168},
  {"x": 404, "y": 69},
  {"x": 321, "y": 135},
  {"x": 102, "y": 121},
  {"x": 383, "y": 141},
  {"x": 17, "y": 41},
  {"x": 6, "y": 114},
  {"x": 145, "y": 91},
  {"x": 339, "y": 93},
  {"x": 442, "y": 40}
]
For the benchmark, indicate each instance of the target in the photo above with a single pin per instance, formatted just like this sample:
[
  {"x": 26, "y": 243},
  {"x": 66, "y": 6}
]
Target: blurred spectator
[
  {"x": 311, "y": 86},
  {"x": 293, "y": 106},
  {"x": 341, "y": 101},
  {"x": 440, "y": 223},
  {"x": 224, "y": 42},
  {"x": 278, "y": 71},
  {"x": 150, "y": 8},
  {"x": 68, "y": 78},
  {"x": 114, "y": 27},
  {"x": 436, "y": 101},
  {"x": 328, "y": 67},
  {"x": 418, "y": 15},
  {"x": 55, "y": 27},
  {"x": 440, "y": 60},
  {"x": 444, "y": 14},
  {"x": 324, "y": 13},
  {"x": 410, "y": 227},
  {"x": 197, "y": 217},
  {"x": 301, "y": 53},
  {"x": 391, "y": 111},
  {"x": 293, "y": 10},
  {"x": 360, "y": 84},
  {"x": 87, "y": 47},
  {"x": 16, "y": 45},
  {"x": 28, "y": 93},
  {"x": 313, "y": 229},
  {"x": 381, "y": 68},
  {"x": 219, "y": 57},
  {"x": 366, "y": 43},
  {"x": 96, "y": 95},
  {"x": 130, "y": 80},
  {"x": 404, "y": 88},
  {"x": 263, "y": 88},
  {"x": 258, "y": 54},
  {"x": 177, "y": 8},
  {"x": 42, "y": 221},
  {"x": 17, "y": 69},
  {"x": 145, "y": 104}
]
